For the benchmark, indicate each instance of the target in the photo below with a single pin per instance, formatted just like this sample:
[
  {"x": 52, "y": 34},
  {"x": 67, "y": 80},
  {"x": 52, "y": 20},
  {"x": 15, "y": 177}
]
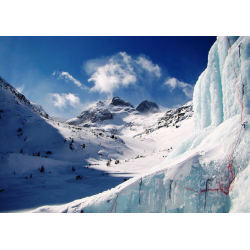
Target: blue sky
[{"x": 67, "y": 74}]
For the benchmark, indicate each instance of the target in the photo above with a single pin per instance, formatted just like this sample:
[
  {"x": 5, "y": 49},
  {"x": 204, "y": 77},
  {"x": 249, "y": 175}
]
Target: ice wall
[
  {"x": 236, "y": 79},
  {"x": 222, "y": 90}
]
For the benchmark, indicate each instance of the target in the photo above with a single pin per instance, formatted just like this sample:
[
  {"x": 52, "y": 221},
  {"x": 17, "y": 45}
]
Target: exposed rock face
[
  {"x": 102, "y": 111},
  {"x": 148, "y": 107},
  {"x": 117, "y": 101},
  {"x": 173, "y": 116},
  {"x": 92, "y": 115}
]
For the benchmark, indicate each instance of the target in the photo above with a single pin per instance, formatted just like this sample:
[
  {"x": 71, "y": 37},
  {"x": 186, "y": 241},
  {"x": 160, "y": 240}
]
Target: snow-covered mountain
[
  {"x": 79, "y": 160},
  {"x": 118, "y": 116},
  {"x": 21, "y": 100},
  {"x": 112, "y": 112},
  {"x": 209, "y": 171}
]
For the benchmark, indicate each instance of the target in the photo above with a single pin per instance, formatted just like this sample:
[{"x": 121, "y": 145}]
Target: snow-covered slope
[
  {"x": 76, "y": 158},
  {"x": 21, "y": 100},
  {"x": 59, "y": 119},
  {"x": 209, "y": 172}
]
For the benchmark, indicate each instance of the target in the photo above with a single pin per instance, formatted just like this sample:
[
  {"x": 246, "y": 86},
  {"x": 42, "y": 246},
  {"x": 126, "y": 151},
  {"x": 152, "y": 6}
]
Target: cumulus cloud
[
  {"x": 67, "y": 77},
  {"x": 185, "y": 87},
  {"x": 63, "y": 100},
  {"x": 120, "y": 70},
  {"x": 110, "y": 77}
]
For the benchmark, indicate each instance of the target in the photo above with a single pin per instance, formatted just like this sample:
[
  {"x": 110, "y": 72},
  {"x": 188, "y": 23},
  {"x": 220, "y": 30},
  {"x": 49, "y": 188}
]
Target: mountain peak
[
  {"x": 117, "y": 101},
  {"x": 148, "y": 107}
]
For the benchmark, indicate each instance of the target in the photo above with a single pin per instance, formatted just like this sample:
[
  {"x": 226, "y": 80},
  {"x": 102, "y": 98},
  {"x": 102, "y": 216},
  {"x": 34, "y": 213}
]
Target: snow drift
[{"x": 209, "y": 172}]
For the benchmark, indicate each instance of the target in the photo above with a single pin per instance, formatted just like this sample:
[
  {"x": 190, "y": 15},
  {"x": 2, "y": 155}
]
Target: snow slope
[
  {"x": 209, "y": 172},
  {"x": 31, "y": 139}
]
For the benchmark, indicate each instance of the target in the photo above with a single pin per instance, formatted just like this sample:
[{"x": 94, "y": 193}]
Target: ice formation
[
  {"x": 218, "y": 93},
  {"x": 209, "y": 172}
]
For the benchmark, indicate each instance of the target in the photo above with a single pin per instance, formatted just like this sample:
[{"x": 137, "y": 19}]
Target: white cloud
[
  {"x": 111, "y": 73},
  {"x": 149, "y": 66},
  {"x": 185, "y": 87},
  {"x": 63, "y": 100},
  {"x": 119, "y": 71},
  {"x": 172, "y": 82},
  {"x": 110, "y": 77},
  {"x": 92, "y": 65},
  {"x": 66, "y": 76},
  {"x": 128, "y": 61},
  {"x": 20, "y": 89}
]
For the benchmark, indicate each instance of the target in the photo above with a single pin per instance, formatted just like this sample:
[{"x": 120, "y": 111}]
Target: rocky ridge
[
  {"x": 21, "y": 99},
  {"x": 172, "y": 118},
  {"x": 103, "y": 111},
  {"x": 116, "y": 115}
]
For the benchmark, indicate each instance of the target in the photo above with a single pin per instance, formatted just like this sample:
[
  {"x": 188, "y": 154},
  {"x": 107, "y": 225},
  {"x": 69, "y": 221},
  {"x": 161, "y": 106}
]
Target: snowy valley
[
  {"x": 191, "y": 159},
  {"x": 101, "y": 148}
]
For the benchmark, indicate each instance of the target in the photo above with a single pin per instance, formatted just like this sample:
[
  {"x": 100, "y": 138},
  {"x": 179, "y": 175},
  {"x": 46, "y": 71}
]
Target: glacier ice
[{"x": 209, "y": 172}]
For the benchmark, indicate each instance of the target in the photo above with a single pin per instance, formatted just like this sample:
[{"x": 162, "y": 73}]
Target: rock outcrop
[
  {"x": 117, "y": 101},
  {"x": 148, "y": 107}
]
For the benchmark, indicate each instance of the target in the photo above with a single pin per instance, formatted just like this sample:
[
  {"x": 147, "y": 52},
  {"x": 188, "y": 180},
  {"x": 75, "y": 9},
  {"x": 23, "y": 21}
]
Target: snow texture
[
  {"x": 208, "y": 169},
  {"x": 209, "y": 172}
]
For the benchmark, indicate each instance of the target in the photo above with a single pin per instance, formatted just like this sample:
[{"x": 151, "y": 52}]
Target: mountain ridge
[
  {"x": 21, "y": 99},
  {"x": 116, "y": 112}
]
